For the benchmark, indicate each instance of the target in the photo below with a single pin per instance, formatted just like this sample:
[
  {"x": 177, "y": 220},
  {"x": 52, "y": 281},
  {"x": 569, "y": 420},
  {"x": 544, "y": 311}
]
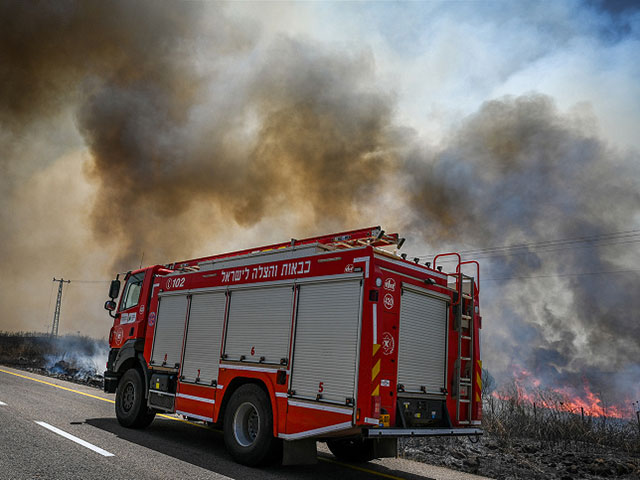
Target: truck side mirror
[
  {"x": 110, "y": 305},
  {"x": 114, "y": 289}
]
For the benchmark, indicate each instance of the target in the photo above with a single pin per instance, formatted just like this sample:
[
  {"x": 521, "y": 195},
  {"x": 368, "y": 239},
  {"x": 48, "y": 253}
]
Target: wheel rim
[
  {"x": 128, "y": 396},
  {"x": 246, "y": 424}
]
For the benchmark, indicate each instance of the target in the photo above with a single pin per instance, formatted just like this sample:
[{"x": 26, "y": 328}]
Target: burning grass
[
  {"x": 538, "y": 433},
  {"x": 72, "y": 357},
  {"x": 550, "y": 416}
]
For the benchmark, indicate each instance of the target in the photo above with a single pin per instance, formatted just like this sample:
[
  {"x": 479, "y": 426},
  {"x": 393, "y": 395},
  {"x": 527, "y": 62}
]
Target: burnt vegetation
[
  {"x": 76, "y": 358},
  {"x": 539, "y": 435}
]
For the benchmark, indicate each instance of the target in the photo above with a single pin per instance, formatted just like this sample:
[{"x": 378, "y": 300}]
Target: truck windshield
[{"x": 132, "y": 291}]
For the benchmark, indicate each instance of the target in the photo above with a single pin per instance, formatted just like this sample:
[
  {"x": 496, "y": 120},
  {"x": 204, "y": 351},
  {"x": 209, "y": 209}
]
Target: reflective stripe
[
  {"x": 315, "y": 431},
  {"x": 324, "y": 408},
  {"x": 193, "y": 415},
  {"x": 366, "y": 264},
  {"x": 375, "y": 324},
  {"x": 197, "y": 399},
  {"x": 249, "y": 369}
]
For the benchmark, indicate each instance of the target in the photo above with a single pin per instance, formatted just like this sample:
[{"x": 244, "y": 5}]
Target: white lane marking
[
  {"x": 73, "y": 438},
  {"x": 2, "y": 404}
]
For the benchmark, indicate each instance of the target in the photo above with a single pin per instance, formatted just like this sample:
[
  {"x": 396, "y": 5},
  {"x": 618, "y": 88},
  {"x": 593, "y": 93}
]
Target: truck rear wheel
[
  {"x": 248, "y": 427},
  {"x": 131, "y": 409},
  {"x": 352, "y": 449}
]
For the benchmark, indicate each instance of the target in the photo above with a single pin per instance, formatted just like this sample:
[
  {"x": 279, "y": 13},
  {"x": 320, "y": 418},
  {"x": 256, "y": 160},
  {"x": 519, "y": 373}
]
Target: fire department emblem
[
  {"x": 388, "y": 343},
  {"x": 141, "y": 309},
  {"x": 390, "y": 284},
  {"x": 349, "y": 268},
  {"x": 388, "y": 301},
  {"x": 118, "y": 335},
  {"x": 152, "y": 319}
]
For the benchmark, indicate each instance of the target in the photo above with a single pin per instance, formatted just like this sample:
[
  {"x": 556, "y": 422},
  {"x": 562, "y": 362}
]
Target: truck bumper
[
  {"x": 421, "y": 432},
  {"x": 110, "y": 382}
]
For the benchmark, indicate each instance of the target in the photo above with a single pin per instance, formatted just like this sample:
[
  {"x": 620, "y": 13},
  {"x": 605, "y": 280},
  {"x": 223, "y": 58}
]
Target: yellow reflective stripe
[
  {"x": 376, "y": 347},
  {"x": 376, "y": 391},
  {"x": 376, "y": 370}
]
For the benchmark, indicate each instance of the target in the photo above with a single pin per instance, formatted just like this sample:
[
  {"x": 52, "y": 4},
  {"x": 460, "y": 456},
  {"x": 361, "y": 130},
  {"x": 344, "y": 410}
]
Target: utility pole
[{"x": 56, "y": 313}]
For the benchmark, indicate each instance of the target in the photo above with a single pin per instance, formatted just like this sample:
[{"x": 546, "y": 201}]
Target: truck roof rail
[{"x": 373, "y": 236}]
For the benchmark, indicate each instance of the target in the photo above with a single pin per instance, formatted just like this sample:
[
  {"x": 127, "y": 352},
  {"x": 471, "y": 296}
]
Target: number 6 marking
[{"x": 253, "y": 351}]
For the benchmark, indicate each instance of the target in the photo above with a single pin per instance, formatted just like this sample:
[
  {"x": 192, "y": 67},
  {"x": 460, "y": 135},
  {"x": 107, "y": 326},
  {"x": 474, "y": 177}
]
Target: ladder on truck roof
[
  {"x": 467, "y": 289},
  {"x": 373, "y": 236}
]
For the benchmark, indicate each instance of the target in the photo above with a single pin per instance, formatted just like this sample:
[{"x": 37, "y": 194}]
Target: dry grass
[{"x": 545, "y": 416}]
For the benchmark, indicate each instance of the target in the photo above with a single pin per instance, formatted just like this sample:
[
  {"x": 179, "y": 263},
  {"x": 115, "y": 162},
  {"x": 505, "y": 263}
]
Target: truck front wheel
[
  {"x": 352, "y": 449},
  {"x": 131, "y": 409},
  {"x": 248, "y": 427}
]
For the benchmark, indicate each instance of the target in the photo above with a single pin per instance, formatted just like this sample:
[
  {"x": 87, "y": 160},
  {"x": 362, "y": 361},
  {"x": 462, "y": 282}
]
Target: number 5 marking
[{"x": 320, "y": 387}]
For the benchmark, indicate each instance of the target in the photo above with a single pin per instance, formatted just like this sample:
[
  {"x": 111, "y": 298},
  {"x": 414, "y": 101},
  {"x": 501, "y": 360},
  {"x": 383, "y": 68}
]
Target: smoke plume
[
  {"x": 519, "y": 171},
  {"x": 163, "y": 128}
]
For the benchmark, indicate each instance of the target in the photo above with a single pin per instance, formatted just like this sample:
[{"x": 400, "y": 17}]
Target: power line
[
  {"x": 615, "y": 238},
  {"x": 577, "y": 274},
  {"x": 563, "y": 241},
  {"x": 90, "y": 281}
]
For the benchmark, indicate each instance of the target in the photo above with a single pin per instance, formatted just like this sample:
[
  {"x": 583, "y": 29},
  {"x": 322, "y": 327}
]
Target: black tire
[
  {"x": 248, "y": 427},
  {"x": 352, "y": 449},
  {"x": 131, "y": 408}
]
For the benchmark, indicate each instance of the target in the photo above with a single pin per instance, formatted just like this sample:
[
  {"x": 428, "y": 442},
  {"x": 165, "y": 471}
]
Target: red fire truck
[{"x": 334, "y": 338}]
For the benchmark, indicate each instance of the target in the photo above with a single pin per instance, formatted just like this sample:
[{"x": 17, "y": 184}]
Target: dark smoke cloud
[
  {"x": 321, "y": 141},
  {"x": 519, "y": 171}
]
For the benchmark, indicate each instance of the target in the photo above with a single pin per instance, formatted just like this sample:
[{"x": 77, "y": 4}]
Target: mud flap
[
  {"x": 300, "y": 452},
  {"x": 385, "y": 447}
]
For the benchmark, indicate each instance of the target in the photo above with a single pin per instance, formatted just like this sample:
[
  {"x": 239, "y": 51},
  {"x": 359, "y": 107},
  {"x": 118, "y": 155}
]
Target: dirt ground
[{"x": 523, "y": 458}]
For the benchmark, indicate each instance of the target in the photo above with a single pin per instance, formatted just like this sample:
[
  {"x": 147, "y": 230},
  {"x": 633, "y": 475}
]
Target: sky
[{"x": 146, "y": 132}]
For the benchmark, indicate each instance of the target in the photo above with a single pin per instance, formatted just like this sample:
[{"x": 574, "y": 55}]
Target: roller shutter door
[
  {"x": 422, "y": 342},
  {"x": 167, "y": 340},
  {"x": 259, "y": 322},
  {"x": 204, "y": 333},
  {"x": 326, "y": 340}
]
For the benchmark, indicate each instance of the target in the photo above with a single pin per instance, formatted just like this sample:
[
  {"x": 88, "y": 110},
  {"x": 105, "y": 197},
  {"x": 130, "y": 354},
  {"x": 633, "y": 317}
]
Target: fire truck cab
[{"x": 334, "y": 338}]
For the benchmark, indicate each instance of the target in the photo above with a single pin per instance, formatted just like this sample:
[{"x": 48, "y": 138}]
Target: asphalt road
[{"x": 53, "y": 429}]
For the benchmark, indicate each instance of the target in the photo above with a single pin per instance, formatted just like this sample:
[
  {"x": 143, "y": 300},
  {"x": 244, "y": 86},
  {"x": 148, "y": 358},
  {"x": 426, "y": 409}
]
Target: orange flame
[{"x": 579, "y": 401}]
